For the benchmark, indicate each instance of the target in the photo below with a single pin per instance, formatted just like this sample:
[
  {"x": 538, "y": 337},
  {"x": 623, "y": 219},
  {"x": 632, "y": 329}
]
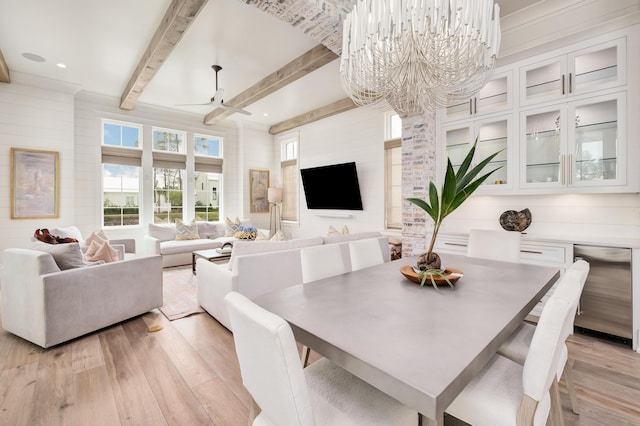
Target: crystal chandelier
[{"x": 417, "y": 55}]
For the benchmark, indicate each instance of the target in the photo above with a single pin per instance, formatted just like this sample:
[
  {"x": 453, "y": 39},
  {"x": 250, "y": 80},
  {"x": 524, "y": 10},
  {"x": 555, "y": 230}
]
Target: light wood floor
[{"x": 187, "y": 374}]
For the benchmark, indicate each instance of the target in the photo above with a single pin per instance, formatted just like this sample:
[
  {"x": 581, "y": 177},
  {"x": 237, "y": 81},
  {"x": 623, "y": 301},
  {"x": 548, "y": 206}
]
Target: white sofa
[
  {"x": 252, "y": 272},
  {"x": 161, "y": 240},
  {"x": 47, "y": 306}
]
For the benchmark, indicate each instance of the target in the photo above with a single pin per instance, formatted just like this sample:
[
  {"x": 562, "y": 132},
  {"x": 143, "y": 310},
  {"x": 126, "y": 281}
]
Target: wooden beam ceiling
[
  {"x": 337, "y": 107},
  {"x": 299, "y": 67},
  {"x": 175, "y": 22},
  {"x": 4, "y": 70}
]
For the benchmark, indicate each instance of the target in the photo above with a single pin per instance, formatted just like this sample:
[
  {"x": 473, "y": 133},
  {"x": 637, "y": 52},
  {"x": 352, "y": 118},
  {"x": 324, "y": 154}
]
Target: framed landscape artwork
[
  {"x": 35, "y": 184},
  {"x": 259, "y": 182}
]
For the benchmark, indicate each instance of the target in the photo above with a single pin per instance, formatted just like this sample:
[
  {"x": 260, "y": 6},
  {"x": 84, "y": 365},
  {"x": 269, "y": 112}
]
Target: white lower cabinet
[{"x": 554, "y": 254}]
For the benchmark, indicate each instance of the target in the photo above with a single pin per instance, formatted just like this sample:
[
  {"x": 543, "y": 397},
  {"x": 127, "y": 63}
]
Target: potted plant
[{"x": 456, "y": 188}]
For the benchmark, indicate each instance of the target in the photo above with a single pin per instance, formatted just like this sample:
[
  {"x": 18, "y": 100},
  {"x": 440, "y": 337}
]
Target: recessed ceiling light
[
  {"x": 265, "y": 114},
  {"x": 33, "y": 57},
  {"x": 61, "y": 65}
]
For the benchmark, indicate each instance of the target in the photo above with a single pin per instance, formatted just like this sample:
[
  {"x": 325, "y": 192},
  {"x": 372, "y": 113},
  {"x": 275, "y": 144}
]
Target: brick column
[{"x": 418, "y": 169}]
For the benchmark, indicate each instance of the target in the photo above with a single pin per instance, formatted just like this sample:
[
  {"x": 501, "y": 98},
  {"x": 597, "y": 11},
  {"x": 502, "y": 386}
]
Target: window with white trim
[
  {"x": 208, "y": 177},
  {"x": 169, "y": 164},
  {"x": 393, "y": 171},
  {"x": 121, "y": 173},
  {"x": 289, "y": 174}
]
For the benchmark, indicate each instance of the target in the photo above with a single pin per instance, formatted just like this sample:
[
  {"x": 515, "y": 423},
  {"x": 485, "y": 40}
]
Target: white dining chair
[
  {"x": 507, "y": 393},
  {"x": 322, "y": 261},
  {"x": 285, "y": 394},
  {"x": 516, "y": 346},
  {"x": 494, "y": 245},
  {"x": 365, "y": 253}
]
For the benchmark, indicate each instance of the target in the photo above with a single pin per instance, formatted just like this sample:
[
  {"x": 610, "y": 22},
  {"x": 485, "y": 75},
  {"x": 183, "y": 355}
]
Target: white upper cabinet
[
  {"x": 496, "y": 95},
  {"x": 493, "y": 134},
  {"x": 576, "y": 144},
  {"x": 579, "y": 72}
]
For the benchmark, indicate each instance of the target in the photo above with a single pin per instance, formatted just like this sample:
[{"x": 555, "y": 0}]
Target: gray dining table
[{"x": 417, "y": 345}]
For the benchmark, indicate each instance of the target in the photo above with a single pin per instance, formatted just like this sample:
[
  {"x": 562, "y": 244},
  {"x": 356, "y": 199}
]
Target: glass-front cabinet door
[
  {"x": 493, "y": 135},
  {"x": 544, "y": 145},
  {"x": 580, "y": 72},
  {"x": 495, "y": 96},
  {"x": 596, "y": 142},
  {"x": 579, "y": 143}
]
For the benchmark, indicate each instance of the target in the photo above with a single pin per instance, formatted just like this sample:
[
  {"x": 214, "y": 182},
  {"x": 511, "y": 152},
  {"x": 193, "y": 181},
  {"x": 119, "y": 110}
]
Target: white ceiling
[{"x": 101, "y": 43}]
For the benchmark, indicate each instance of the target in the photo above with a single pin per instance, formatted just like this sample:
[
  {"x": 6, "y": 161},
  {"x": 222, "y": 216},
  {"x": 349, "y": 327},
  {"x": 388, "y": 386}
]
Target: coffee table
[{"x": 210, "y": 255}]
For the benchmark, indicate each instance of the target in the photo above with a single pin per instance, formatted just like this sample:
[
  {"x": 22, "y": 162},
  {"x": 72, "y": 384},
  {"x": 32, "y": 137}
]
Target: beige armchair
[{"x": 47, "y": 306}]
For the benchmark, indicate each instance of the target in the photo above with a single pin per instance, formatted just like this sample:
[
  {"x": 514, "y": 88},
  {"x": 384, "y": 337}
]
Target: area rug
[{"x": 180, "y": 296}]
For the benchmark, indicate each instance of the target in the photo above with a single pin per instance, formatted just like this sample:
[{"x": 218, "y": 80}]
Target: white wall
[
  {"x": 356, "y": 135},
  {"x": 36, "y": 114}
]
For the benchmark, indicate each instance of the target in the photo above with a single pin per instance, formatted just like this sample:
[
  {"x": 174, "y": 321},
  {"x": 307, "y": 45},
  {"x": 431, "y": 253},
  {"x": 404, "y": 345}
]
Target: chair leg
[
  {"x": 556, "y": 405},
  {"x": 306, "y": 351},
  {"x": 571, "y": 390}
]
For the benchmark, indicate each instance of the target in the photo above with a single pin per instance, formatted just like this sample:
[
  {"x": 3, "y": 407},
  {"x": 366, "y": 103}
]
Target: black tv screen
[{"x": 332, "y": 187}]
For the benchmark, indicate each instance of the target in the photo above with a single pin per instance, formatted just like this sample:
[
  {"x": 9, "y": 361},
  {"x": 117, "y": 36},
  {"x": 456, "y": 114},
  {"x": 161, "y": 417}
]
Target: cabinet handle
[
  {"x": 475, "y": 105},
  {"x": 471, "y": 106},
  {"x": 570, "y": 165},
  {"x": 562, "y": 168},
  {"x": 563, "y": 91},
  {"x": 570, "y": 83},
  {"x": 531, "y": 251},
  {"x": 455, "y": 244}
]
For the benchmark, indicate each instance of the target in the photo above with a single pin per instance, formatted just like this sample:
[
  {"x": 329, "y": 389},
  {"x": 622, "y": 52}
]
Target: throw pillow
[
  {"x": 101, "y": 251},
  {"x": 98, "y": 236},
  {"x": 278, "y": 236},
  {"x": 246, "y": 233},
  {"x": 186, "y": 232},
  {"x": 231, "y": 227},
  {"x": 67, "y": 256},
  {"x": 261, "y": 237},
  {"x": 333, "y": 231},
  {"x": 207, "y": 229},
  {"x": 68, "y": 232}
]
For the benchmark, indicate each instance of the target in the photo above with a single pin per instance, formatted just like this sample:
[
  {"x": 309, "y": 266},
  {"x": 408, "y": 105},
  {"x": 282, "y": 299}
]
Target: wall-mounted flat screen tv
[{"x": 332, "y": 187}]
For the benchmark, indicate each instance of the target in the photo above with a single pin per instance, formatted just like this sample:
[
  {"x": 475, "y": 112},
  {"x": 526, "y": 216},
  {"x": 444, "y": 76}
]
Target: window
[
  {"x": 208, "y": 146},
  {"x": 393, "y": 172},
  {"x": 208, "y": 177},
  {"x": 167, "y": 194},
  {"x": 168, "y": 140},
  {"x": 121, "y": 177},
  {"x": 289, "y": 173},
  {"x": 121, "y": 195}
]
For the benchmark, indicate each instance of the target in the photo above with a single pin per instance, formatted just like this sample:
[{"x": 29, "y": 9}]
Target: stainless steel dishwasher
[{"x": 605, "y": 305}]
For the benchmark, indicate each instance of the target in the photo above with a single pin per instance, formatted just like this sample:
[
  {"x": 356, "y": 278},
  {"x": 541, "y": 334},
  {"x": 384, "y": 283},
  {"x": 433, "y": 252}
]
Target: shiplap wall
[
  {"x": 356, "y": 135},
  {"x": 35, "y": 114}
]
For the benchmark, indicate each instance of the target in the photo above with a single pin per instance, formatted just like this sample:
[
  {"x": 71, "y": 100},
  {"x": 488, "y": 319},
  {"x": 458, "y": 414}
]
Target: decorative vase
[{"x": 512, "y": 220}]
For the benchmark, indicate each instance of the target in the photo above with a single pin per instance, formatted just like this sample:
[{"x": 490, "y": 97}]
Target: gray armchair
[{"x": 47, "y": 306}]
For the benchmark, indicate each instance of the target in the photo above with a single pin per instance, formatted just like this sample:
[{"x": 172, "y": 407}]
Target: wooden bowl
[{"x": 452, "y": 275}]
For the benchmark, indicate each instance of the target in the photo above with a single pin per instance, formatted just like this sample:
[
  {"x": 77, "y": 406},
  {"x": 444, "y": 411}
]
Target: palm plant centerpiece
[{"x": 456, "y": 188}]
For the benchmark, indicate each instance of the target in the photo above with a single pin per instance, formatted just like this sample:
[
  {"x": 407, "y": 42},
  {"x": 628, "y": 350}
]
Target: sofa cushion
[
  {"x": 278, "y": 236},
  {"x": 67, "y": 256},
  {"x": 186, "y": 231},
  {"x": 162, "y": 232},
  {"x": 186, "y": 246}
]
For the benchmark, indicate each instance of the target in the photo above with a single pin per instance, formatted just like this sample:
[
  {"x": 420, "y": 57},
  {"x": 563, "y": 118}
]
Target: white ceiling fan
[{"x": 216, "y": 100}]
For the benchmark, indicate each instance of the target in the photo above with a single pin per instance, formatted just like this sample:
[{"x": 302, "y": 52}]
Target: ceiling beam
[
  {"x": 317, "y": 114},
  {"x": 179, "y": 15},
  {"x": 299, "y": 67},
  {"x": 4, "y": 70}
]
